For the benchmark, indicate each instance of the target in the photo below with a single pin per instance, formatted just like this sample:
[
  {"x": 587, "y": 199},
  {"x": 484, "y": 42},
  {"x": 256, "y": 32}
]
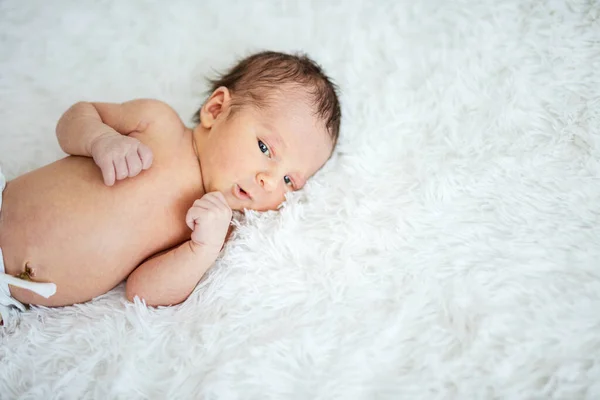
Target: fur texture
[{"x": 449, "y": 249}]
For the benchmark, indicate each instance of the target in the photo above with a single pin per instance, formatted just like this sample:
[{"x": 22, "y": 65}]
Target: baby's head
[{"x": 269, "y": 124}]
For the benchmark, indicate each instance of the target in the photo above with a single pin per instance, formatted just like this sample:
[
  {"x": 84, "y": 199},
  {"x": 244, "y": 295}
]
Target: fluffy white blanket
[{"x": 449, "y": 250}]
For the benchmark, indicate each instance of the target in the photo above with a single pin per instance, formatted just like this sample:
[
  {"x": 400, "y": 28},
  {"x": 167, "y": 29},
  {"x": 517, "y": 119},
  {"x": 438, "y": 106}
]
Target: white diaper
[{"x": 9, "y": 305}]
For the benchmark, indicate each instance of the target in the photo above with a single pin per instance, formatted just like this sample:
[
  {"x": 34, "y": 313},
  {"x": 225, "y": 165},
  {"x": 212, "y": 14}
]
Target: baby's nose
[{"x": 267, "y": 182}]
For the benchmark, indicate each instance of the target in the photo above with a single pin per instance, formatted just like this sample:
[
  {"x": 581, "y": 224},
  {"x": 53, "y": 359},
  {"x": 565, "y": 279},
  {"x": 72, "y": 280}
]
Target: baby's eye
[
  {"x": 288, "y": 181},
  {"x": 263, "y": 147}
]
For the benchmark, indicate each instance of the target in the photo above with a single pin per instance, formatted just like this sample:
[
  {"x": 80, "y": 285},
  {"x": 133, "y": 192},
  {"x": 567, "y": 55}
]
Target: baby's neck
[{"x": 195, "y": 134}]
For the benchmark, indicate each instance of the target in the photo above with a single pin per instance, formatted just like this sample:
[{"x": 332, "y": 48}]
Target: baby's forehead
[
  {"x": 291, "y": 116},
  {"x": 294, "y": 121},
  {"x": 292, "y": 107}
]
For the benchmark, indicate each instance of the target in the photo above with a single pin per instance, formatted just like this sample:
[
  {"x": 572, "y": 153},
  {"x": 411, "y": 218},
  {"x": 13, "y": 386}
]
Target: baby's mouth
[{"x": 241, "y": 193}]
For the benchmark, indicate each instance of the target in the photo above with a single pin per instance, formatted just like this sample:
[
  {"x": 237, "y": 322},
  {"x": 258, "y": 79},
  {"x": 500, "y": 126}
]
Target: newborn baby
[{"x": 142, "y": 197}]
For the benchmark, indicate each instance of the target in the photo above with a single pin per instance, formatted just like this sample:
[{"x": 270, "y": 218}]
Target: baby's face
[{"x": 258, "y": 155}]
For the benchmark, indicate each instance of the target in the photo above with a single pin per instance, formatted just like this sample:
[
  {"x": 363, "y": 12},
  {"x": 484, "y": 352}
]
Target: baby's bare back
[{"x": 68, "y": 227}]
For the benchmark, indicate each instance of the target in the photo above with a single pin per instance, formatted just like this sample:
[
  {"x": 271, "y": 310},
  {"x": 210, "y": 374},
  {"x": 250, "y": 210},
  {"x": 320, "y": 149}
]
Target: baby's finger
[
  {"x": 108, "y": 172},
  {"x": 134, "y": 164},
  {"x": 145, "y": 155},
  {"x": 218, "y": 199},
  {"x": 201, "y": 203},
  {"x": 193, "y": 213},
  {"x": 210, "y": 201},
  {"x": 121, "y": 171},
  {"x": 217, "y": 206}
]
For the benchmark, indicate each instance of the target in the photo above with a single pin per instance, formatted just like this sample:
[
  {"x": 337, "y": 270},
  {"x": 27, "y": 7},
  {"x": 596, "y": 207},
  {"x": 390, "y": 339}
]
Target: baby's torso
[{"x": 71, "y": 229}]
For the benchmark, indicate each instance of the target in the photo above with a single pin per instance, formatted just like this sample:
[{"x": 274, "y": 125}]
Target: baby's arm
[
  {"x": 100, "y": 130},
  {"x": 170, "y": 277}
]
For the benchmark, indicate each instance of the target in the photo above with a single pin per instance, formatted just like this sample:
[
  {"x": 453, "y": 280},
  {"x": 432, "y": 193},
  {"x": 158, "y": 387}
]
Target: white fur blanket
[{"x": 449, "y": 250}]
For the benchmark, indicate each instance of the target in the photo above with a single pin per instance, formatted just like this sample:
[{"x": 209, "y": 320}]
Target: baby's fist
[
  {"x": 120, "y": 156},
  {"x": 209, "y": 220}
]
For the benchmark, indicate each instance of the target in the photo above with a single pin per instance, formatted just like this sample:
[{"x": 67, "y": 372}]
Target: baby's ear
[{"x": 217, "y": 103}]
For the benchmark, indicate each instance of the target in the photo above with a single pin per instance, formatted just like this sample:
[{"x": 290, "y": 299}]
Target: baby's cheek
[
  {"x": 237, "y": 165},
  {"x": 240, "y": 162},
  {"x": 274, "y": 203},
  {"x": 227, "y": 159}
]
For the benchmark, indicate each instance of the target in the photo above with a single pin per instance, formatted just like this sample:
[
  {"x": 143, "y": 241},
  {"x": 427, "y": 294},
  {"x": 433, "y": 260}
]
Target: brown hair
[{"x": 254, "y": 78}]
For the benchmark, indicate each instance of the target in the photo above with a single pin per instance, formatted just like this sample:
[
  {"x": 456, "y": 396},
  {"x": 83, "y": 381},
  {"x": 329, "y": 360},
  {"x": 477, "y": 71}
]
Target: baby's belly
[{"x": 70, "y": 229}]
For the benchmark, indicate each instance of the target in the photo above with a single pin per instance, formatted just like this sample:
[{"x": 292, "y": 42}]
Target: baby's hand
[
  {"x": 209, "y": 219},
  {"x": 120, "y": 156}
]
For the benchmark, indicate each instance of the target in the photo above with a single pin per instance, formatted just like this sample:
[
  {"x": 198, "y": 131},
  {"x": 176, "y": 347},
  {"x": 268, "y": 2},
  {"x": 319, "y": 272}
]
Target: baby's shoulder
[
  {"x": 147, "y": 118},
  {"x": 153, "y": 113}
]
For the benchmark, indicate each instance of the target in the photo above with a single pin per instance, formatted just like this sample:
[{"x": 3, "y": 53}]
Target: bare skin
[
  {"x": 69, "y": 228},
  {"x": 86, "y": 225}
]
